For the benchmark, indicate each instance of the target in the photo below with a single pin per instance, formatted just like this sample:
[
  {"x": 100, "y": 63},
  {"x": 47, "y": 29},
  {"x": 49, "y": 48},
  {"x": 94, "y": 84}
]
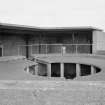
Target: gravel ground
[{"x": 53, "y": 93}]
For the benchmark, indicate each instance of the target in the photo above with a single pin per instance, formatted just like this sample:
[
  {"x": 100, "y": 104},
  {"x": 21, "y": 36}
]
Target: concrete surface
[
  {"x": 52, "y": 93},
  {"x": 20, "y": 88}
]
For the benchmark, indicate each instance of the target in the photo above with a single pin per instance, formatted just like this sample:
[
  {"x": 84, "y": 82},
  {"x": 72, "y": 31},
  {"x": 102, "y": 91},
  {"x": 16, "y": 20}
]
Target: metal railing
[{"x": 55, "y": 49}]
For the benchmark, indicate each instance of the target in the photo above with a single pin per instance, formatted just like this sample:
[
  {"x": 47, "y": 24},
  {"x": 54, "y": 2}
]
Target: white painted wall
[{"x": 98, "y": 41}]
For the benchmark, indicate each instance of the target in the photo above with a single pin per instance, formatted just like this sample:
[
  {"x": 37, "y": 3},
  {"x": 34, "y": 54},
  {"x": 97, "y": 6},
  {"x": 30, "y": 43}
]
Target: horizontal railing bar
[
  {"x": 61, "y": 44},
  {"x": 42, "y": 48},
  {"x": 53, "y": 44}
]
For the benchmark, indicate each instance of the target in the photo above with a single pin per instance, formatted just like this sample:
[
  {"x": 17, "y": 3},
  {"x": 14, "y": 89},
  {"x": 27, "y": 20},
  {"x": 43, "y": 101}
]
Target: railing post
[
  {"x": 18, "y": 50},
  {"x": 76, "y": 48},
  {"x": 61, "y": 49},
  {"x": 46, "y": 49},
  {"x": 2, "y": 50},
  {"x": 31, "y": 50}
]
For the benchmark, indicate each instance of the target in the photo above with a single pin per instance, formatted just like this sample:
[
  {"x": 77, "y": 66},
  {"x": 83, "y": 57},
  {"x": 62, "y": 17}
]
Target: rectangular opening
[
  {"x": 42, "y": 69},
  {"x": 85, "y": 70},
  {"x": 69, "y": 70},
  {"x": 55, "y": 69}
]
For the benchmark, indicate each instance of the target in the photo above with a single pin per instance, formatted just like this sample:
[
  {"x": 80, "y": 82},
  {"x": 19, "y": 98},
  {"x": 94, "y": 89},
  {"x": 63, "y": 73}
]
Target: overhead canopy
[{"x": 33, "y": 28}]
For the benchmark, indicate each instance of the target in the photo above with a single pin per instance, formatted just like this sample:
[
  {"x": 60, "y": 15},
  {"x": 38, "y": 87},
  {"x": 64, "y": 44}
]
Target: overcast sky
[{"x": 54, "y": 13}]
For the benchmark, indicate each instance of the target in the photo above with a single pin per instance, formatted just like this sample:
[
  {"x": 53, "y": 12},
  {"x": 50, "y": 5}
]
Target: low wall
[{"x": 10, "y": 58}]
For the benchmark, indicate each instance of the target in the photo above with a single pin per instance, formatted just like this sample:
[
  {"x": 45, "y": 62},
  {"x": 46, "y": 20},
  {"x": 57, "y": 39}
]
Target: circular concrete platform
[
  {"x": 92, "y": 60},
  {"x": 14, "y": 70}
]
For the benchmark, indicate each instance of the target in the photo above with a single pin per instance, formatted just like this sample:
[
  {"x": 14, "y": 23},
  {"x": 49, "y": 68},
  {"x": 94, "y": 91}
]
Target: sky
[{"x": 53, "y": 13}]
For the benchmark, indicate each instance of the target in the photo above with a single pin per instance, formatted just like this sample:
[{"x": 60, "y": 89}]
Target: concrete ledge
[
  {"x": 48, "y": 84},
  {"x": 10, "y": 58},
  {"x": 72, "y": 55}
]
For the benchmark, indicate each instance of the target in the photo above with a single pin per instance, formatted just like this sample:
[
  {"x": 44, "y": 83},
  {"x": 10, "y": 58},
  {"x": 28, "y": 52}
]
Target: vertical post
[
  {"x": 92, "y": 69},
  {"x": 76, "y": 48},
  {"x": 2, "y": 50},
  {"x": 73, "y": 37},
  {"x": 49, "y": 69},
  {"x": 27, "y": 69},
  {"x": 27, "y": 45},
  {"x": 31, "y": 50},
  {"x": 18, "y": 50},
  {"x": 40, "y": 43},
  {"x": 62, "y": 70},
  {"x": 78, "y": 70},
  {"x": 63, "y": 50},
  {"x": 91, "y": 51},
  {"x": 27, "y": 53},
  {"x": 46, "y": 49}
]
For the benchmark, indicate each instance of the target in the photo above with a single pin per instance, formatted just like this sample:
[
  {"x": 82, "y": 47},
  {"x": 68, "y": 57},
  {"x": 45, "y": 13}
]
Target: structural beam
[{"x": 78, "y": 70}]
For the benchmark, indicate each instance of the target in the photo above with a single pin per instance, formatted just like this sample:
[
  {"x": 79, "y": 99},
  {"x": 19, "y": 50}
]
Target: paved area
[
  {"x": 18, "y": 87},
  {"x": 14, "y": 70}
]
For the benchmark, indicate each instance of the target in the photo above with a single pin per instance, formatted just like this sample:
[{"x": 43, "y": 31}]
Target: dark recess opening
[
  {"x": 69, "y": 70},
  {"x": 55, "y": 69},
  {"x": 97, "y": 69},
  {"x": 85, "y": 70},
  {"x": 90, "y": 49}
]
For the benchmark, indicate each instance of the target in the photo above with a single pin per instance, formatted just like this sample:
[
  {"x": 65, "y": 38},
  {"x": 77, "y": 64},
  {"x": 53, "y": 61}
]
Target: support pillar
[
  {"x": 49, "y": 69},
  {"x": 78, "y": 70},
  {"x": 27, "y": 69},
  {"x": 36, "y": 70},
  {"x": 62, "y": 70},
  {"x": 92, "y": 70}
]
